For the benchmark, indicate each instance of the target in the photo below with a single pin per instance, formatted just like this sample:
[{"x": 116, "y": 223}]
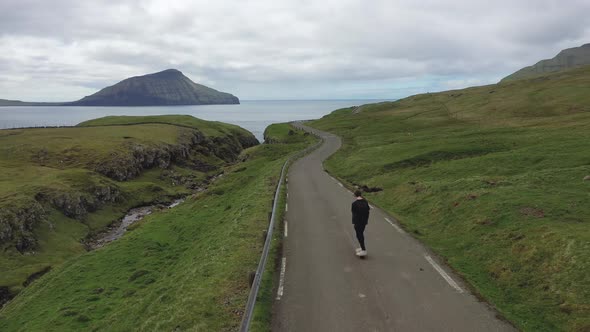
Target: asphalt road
[{"x": 399, "y": 286}]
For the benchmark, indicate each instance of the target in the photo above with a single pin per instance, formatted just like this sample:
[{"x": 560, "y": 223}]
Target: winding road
[{"x": 400, "y": 286}]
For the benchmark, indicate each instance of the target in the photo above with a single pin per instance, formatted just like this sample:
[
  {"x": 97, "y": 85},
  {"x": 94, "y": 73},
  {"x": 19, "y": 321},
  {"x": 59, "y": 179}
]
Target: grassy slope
[
  {"x": 61, "y": 160},
  {"x": 492, "y": 179},
  {"x": 210, "y": 128},
  {"x": 185, "y": 268}
]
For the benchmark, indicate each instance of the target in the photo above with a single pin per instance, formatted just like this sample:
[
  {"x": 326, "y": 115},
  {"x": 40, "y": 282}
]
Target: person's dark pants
[{"x": 360, "y": 230}]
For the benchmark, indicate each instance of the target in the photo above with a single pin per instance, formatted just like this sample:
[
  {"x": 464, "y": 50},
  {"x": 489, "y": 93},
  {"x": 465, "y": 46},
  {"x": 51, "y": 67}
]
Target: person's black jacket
[{"x": 360, "y": 212}]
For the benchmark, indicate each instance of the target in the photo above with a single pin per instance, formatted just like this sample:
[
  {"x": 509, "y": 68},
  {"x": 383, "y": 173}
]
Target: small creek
[{"x": 134, "y": 215}]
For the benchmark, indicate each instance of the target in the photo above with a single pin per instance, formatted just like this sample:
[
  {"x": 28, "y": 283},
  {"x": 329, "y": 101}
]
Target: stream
[{"x": 117, "y": 229}]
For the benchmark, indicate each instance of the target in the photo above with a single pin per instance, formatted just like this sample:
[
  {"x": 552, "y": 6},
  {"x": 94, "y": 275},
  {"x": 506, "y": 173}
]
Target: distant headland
[{"x": 168, "y": 87}]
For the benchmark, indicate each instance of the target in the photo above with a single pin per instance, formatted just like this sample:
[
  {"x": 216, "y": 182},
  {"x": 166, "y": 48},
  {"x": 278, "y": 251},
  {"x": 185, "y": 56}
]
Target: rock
[
  {"x": 367, "y": 189},
  {"x": 106, "y": 193},
  {"x": 5, "y": 295},
  {"x": 36, "y": 276},
  {"x": 247, "y": 141},
  {"x": 74, "y": 205},
  {"x": 17, "y": 224},
  {"x": 98, "y": 290},
  {"x": 26, "y": 242},
  {"x": 587, "y": 178}
]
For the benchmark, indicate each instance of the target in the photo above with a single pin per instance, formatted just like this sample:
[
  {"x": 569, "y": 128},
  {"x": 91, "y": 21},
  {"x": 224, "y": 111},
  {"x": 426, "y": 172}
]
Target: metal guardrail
[{"x": 262, "y": 263}]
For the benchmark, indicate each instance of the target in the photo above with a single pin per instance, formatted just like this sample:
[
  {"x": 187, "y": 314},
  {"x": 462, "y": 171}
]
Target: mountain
[
  {"x": 568, "y": 58},
  {"x": 168, "y": 87}
]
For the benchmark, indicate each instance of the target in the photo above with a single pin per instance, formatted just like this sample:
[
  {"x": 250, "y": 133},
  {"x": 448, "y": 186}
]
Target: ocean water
[{"x": 253, "y": 115}]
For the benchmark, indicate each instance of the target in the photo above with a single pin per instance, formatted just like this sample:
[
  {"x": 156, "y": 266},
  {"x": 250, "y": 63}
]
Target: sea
[{"x": 253, "y": 115}]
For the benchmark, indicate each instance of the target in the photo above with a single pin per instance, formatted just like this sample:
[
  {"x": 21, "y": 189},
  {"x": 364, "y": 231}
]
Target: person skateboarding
[{"x": 360, "y": 219}]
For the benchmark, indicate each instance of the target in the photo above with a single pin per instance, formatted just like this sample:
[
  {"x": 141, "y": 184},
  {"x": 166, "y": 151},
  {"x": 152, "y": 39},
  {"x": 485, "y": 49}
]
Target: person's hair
[{"x": 358, "y": 193}]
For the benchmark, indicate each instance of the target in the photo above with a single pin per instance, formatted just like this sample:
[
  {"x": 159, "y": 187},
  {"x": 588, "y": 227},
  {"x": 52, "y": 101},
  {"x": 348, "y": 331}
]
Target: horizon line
[{"x": 319, "y": 99}]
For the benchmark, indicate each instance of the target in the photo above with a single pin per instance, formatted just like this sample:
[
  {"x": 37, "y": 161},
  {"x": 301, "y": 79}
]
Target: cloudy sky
[{"x": 62, "y": 50}]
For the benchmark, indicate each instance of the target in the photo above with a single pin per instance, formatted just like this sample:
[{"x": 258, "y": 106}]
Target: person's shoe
[
  {"x": 362, "y": 253},
  {"x": 357, "y": 250}
]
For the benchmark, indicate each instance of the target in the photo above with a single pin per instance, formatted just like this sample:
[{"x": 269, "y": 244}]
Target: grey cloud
[{"x": 331, "y": 47}]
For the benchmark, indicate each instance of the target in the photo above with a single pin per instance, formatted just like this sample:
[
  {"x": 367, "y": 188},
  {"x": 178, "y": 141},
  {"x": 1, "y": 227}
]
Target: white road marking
[
  {"x": 282, "y": 278},
  {"x": 286, "y": 207},
  {"x": 442, "y": 272},
  {"x": 286, "y": 229},
  {"x": 287, "y": 195},
  {"x": 340, "y": 184},
  {"x": 362, "y": 296},
  {"x": 371, "y": 206},
  {"x": 397, "y": 228}
]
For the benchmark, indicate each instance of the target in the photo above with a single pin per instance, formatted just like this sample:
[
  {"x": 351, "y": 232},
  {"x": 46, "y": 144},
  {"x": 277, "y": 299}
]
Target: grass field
[
  {"x": 491, "y": 178},
  {"x": 210, "y": 128},
  {"x": 182, "y": 269},
  {"x": 53, "y": 194}
]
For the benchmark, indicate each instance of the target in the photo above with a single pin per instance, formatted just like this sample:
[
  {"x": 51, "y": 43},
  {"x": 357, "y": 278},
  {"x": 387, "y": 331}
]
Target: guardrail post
[
  {"x": 264, "y": 235},
  {"x": 251, "y": 277}
]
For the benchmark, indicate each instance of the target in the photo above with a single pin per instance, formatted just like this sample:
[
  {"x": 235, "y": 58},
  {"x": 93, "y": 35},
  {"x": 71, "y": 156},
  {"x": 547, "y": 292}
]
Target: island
[{"x": 165, "y": 88}]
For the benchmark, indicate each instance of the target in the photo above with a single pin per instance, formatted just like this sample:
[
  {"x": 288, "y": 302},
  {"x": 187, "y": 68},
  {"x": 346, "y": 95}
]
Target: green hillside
[
  {"x": 496, "y": 179},
  {"x": 210, "y": 128},
  {"x": 61, "y": 186},
  {"x": 180, "y": 269}
]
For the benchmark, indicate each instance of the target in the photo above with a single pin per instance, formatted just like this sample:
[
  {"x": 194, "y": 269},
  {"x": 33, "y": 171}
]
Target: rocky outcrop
[
  {"x": 568, "y": 58},
  {"x": 5, "y": 295},
  {"x": 247, "y": 141},
  {"x": 17, "y": 224},
  {"x": 126, "y": 166},
  {"x": 78, "y": 204},
  {"x": 36, "y": 276},
  {"x": 168, "y": 87},
  {"x": 192, "y": 145}
]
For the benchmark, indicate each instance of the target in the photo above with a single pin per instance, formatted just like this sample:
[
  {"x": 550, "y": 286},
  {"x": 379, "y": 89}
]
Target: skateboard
[{"x": 360, "y": 256}]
